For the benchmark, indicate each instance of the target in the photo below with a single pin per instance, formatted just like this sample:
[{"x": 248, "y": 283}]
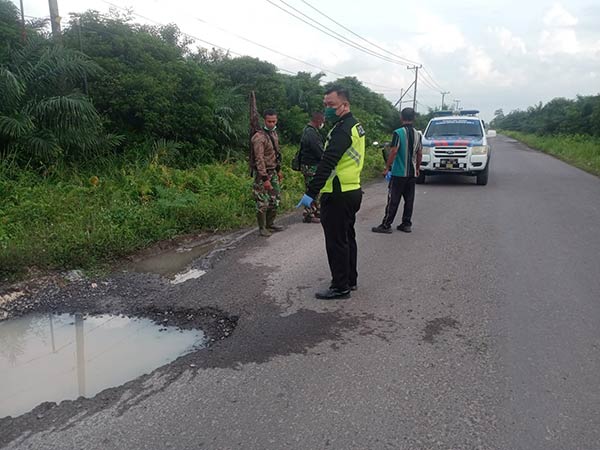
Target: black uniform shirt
[{"x": 340, "y": 140}]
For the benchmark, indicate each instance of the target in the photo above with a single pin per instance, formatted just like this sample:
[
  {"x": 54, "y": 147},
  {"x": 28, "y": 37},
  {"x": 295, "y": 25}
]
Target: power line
[
  {"x": 332, "y": 33},
  {"x": 239, "y": 54},
  {"x": 398, "y": 59},
  {"x": 291, "y": 57},
  {"x": 406, "y": 60}
]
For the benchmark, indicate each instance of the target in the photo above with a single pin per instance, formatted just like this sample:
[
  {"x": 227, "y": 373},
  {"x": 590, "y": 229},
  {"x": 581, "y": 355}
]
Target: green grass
[
  {"x": 84, "y": 220},
  {"x": 578, "y": 150}
]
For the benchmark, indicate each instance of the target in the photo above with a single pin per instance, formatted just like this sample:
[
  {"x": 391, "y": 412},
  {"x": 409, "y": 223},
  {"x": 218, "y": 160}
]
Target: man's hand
[
  {"x": 268, "y": 186},
  {"x": 280, "y": 176},
  {"x": 305, "y": 201},
  {"x": 417, "y": 172}
]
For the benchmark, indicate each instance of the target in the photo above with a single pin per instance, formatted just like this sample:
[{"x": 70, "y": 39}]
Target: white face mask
[{"x": 321, "y": 126}]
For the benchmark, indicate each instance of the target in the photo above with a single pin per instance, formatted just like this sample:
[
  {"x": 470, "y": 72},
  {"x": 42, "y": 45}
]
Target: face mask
[
  {"x": 330, "y": 114},
  {"x": 270, "y": 129},
  {"x": 321, "y": 126}
]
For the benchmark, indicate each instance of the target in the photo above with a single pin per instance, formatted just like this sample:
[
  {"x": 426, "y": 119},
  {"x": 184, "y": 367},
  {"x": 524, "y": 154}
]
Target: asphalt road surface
[{"x": 479, "y": 330}]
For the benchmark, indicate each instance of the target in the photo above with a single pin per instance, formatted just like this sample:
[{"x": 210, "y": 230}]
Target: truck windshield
[{"x": 460, "y": 128}]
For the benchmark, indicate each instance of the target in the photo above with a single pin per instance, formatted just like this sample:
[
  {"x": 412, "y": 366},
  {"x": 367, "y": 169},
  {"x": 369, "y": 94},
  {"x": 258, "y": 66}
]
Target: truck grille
[{"x": 456, "y": 152}]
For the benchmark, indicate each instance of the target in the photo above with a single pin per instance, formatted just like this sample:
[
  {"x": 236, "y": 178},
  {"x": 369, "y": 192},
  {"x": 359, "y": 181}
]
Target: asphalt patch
[{"x": 436, "y": 326}]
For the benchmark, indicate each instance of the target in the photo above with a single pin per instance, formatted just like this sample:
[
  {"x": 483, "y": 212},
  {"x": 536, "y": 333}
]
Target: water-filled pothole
[{"x": 62, "y": 357}]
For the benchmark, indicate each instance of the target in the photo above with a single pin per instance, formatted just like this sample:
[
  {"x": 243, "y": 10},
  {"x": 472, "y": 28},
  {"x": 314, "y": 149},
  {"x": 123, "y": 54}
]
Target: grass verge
[
  {"x": 81, "y": 220},
  {"x": 579, "y": 150}
]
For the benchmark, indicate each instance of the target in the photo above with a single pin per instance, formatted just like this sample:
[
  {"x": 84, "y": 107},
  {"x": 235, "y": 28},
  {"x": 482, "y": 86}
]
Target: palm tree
[{"x": 44, "y": 119}]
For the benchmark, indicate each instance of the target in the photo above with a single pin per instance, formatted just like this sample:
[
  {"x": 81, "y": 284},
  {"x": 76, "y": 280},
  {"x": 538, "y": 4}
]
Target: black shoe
[
  {"x": 381, "y": 229},
  {"x": 405, "y": 228},
  {"x": 333, "y": 294}
]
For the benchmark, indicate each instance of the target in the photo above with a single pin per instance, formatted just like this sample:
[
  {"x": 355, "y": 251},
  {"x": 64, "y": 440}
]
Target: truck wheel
[
  {"x": 482, "y": 178},
  {"x": 421, "y": 179}
]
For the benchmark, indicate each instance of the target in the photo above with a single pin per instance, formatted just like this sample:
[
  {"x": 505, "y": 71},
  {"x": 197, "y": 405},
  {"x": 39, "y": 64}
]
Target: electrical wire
[{"x": 406, "y": 60}]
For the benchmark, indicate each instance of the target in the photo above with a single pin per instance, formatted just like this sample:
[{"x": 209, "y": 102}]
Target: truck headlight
[
  {"x": 479, "y": 150},
  {"x": 426, "y": 150}
]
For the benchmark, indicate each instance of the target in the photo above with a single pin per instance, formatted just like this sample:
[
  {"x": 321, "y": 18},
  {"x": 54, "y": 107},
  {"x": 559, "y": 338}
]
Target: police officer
[{"x": 337, "y": 178}]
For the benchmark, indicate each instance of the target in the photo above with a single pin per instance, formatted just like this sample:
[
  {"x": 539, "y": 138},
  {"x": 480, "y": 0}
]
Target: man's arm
[
  {"x": 339, "y": 142},
  {"x": 315, "y": 144},
  {"x": 258, "y": 147},
  {"x": 419, "y": 156}
]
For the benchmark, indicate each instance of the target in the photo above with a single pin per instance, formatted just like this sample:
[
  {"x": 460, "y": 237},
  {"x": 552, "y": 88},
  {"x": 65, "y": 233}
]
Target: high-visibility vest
[{"x": 350, "y": 165}]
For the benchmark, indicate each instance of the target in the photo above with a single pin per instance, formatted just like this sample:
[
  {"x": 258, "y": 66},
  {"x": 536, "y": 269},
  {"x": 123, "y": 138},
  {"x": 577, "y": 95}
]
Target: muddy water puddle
[
  {"x": 171, "y": 262},
  {"x": 45, "y": 357}
]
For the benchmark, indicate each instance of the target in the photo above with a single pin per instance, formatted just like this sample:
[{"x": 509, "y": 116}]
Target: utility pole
[
  {"x": 457, "y": 103},
  {"x": 54, "y": 19},
  {"x": 402, "y": 94},
  {"x": 443, "y": 95},
  {"x": 23, "y": 32},
  {"x": 416, "y": 69},
  {"x": 85, "y": 82}
]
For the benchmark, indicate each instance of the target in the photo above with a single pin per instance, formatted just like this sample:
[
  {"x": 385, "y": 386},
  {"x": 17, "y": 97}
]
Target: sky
[{"x": 498, "y": 54}]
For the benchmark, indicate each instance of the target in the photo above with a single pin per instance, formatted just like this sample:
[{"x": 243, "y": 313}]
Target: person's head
[
  {"x": 270, "y": 119},
  {"x": 317, "y": 119},
  {"x": 407, "y": 115},
  {"x": 337, "y": 102}
]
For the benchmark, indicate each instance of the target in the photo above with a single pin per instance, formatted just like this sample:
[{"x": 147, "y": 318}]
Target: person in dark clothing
[
  {"x": 337, "y": 178},
  {"x": 311, "y": 152},
  {"x": 402, "y": 170}
]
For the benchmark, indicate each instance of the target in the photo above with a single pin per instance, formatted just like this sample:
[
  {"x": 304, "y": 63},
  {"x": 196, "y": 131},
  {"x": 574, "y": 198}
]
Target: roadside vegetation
[
  {"x": 579, "y": 150},
  {"x": 134, "y": 135},
  {"x": 567, "y": 129}
]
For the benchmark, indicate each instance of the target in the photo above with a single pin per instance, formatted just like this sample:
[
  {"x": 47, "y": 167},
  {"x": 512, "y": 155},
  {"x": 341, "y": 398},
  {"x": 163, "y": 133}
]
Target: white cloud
[
  {"x": 559, "y": 41},
  {"x": 559, "y": 35},
  {"x": 481, "y": 68},
  {"x": 557, "y": 16},
  {"x": 508, "y": 41},
  {"x": 436, "y": 35}
]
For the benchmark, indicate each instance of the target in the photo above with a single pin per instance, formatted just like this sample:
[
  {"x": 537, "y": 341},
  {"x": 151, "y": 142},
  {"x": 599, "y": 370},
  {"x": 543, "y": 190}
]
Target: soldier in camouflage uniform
[
  {"x": 265, "y": 161},
  {"x": 311, "y": 152}
]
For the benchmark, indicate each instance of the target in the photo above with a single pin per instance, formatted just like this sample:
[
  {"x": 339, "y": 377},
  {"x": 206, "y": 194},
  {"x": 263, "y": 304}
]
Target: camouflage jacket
[{"x": 264, "y": 156}]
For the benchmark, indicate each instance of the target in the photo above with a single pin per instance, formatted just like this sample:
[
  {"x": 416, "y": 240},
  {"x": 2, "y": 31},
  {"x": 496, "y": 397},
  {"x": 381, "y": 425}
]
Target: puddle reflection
[{"x": 59, "y": 357}]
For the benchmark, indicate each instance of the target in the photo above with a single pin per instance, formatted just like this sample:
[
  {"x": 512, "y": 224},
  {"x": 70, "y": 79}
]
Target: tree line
[
  {"x": 558, "y": 116},
  {"x": 110, "y": 87}
]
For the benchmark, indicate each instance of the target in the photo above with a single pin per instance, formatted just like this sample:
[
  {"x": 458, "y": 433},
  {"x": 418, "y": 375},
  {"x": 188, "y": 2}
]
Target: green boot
[
  {"x": 261, "y": 217},
  {"x": 271, "y": 213}
]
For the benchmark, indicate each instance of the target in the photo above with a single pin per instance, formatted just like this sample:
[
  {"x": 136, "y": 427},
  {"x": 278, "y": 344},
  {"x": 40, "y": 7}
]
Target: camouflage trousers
[
  {"x": 315, "y": 210},
  {"x": 266, "y": 200}
]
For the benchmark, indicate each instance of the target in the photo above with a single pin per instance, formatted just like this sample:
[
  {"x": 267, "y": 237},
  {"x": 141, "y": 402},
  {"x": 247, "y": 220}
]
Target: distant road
[{"x": 480, "y": 330}]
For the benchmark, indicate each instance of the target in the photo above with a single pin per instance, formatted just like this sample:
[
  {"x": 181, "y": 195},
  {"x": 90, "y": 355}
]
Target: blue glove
[
  {"x": 305, "y": 201},
  {"x": 388, "y": 176}
]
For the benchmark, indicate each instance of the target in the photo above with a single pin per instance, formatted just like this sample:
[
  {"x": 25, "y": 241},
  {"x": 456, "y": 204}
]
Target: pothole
[{"x": 55, "y": 357}]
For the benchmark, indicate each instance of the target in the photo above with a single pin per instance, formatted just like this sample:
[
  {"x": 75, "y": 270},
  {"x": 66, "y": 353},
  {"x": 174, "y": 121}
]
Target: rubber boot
[
  {"x": 261, "y": 217},
  {"x": 271, "y": 213}
]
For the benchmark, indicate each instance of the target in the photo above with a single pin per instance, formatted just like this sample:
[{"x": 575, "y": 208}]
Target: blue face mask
[{"x": 330, "y": 114}]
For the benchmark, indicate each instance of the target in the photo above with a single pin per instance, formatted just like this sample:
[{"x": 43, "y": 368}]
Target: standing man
[
  {"x": 402, "y": 170},
  {"x": 265, "y": 161},
  {"x": 337, "y": 178},
  {"x": 311, "y": 152}
]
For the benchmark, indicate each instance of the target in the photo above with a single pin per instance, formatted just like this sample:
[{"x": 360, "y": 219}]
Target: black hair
[
  {"x": 341, "y": 91},
  {"x": 408, "y": 114},
  {"x": 269, "y": 112},
  {"x": 316, "y": 116}
]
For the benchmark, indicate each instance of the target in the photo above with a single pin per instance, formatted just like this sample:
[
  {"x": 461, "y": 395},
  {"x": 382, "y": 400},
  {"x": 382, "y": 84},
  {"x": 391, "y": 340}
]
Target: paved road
[{"x": 480, "y": 330}]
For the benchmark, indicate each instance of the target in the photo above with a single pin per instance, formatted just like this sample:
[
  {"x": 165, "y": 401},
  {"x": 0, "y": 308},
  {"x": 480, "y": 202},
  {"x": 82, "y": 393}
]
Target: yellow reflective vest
[{"x": 350, "y": 165}]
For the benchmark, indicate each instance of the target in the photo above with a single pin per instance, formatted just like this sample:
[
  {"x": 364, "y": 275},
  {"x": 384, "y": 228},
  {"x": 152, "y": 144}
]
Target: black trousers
[
  {"x": 338, "y": 215},
  {"x": 400, "y": 187}
]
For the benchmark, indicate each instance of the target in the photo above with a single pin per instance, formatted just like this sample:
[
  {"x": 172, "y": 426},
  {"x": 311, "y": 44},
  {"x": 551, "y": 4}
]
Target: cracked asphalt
[{"x": 479, "y": 330}]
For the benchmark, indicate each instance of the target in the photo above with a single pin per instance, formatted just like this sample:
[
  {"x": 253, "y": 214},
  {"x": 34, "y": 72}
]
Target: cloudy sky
[{"x": 496, "y": 54}]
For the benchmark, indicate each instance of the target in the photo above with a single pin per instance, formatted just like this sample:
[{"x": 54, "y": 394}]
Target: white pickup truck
[{"x": 456, "y": 144}]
